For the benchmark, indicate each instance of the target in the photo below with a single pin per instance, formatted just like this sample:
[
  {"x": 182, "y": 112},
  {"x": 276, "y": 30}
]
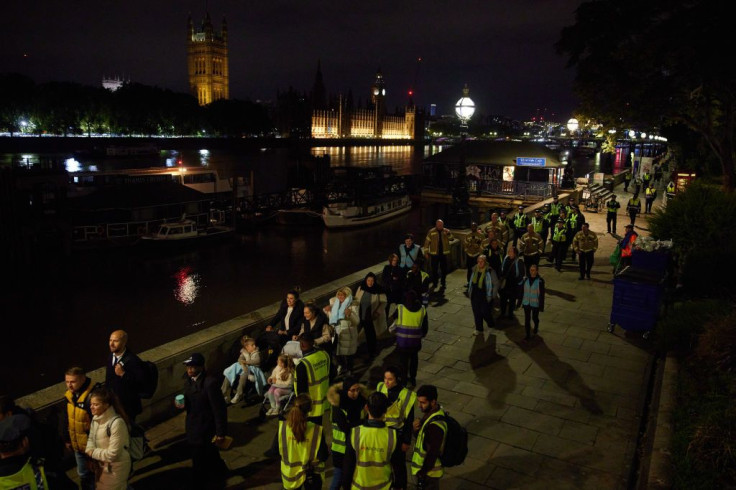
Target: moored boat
[
  {"x": 185, "y": 231},
  {"x": 349, "y": 214}
]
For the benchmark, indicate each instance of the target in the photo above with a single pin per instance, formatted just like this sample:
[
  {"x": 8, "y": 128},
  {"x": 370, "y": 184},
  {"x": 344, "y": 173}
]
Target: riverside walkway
[{"x": 558, "y": 412}]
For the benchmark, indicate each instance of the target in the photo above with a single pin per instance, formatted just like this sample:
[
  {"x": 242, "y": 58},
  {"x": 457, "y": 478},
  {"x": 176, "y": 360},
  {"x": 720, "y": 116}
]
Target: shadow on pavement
[
  {"x": 492, "y": 369},
  {"x": 563, "y": 374}
]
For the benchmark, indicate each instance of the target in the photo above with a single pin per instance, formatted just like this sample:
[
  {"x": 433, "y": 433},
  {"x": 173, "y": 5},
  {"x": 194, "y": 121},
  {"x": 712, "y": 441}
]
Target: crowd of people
[{"x": 302, "y": 365}]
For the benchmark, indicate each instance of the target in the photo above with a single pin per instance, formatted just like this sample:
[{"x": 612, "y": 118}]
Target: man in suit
[{"x": 125, "y": 374}]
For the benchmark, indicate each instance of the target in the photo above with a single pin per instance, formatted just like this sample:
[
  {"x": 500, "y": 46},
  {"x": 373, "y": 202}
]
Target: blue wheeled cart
[{"x": 637, "y": 296}]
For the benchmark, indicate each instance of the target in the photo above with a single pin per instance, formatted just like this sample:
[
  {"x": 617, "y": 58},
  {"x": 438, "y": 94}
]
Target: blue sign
[{"x": 530, "y": 162}]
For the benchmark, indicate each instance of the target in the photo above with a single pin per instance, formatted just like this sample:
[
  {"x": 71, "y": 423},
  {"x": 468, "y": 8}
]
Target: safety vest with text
[
  {"x": 338, "y": 436},
  {"x": 296, "y": 456},
  {"x": 373, "y": 449},
  {"x": 318, "y": 380}
]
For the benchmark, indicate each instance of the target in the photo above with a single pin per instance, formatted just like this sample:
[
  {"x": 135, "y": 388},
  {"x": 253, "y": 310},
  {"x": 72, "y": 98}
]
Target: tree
[
  {"x": 657, "y": 63},
  {"x": 16, "y": 92}
]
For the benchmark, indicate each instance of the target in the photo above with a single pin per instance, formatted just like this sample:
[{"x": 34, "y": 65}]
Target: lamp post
[{"x": 460, "y": 213}]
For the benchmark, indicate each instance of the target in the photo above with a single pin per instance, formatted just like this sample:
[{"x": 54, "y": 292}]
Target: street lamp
[
  {"x": 572, "y": 125},
  {"x": 465, "y": 108}
]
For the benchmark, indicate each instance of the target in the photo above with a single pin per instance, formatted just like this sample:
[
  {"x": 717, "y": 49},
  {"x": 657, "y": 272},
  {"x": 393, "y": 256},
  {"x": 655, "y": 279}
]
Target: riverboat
[
  {"x": 345, "y": 215},
  {"x": 186, "y": 231}
]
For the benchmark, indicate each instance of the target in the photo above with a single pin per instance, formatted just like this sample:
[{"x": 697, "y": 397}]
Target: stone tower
[
  {"x": 207, "y": 61},
  {"x": 378, "y": 99}
]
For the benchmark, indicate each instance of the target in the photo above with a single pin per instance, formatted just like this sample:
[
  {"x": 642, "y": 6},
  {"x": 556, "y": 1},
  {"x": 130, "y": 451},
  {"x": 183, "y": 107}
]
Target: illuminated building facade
[
  {"x": 345, "y": 122},
  {"x": 207, "y": 61}
]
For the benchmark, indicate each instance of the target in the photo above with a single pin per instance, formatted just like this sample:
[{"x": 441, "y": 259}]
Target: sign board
[
  {"x": 598, "y": 178},
  {"x": 530, "y": 162}
]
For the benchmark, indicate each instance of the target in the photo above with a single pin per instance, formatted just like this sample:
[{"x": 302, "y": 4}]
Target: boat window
[{"x": 175, "y": 230}]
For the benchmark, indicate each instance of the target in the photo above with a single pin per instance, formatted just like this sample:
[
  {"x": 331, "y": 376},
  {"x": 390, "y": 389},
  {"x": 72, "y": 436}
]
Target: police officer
[
  {"x": 670, "y": 190},
  {"x": 541, "y": 224},
  {"x": 17, "y": 468},
  {"x": 370, "y": 449},
  {"x": 613, "y": 207},
  {"x": 519, "y": 222},
  {"x": 554, "y": 211},
  {"x": 650, "y": 194},
  {"x": 431, "y": 431},
  {"x": 559, "y": 244},
  {"x": 627, "y": 181},
  {"x": 633, "y": 207}
]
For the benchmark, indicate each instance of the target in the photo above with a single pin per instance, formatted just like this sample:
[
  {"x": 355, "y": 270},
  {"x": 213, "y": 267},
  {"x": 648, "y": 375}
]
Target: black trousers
[
  {"x": 370, "y": 334},
  {"x": 530, "y": 314},
  {"x": 209, "y": 470},
  {"x": 398, "y": 465},
  {"x": 586, "y": 263},
  {"x": 481, "y": 309},
  {"x": 507, "y": 299},
  {"x": 436, "y": 262},
  {"x": 409, "y": 359},
  {"x": 559, "y": 250},
  {"x": 611, "y": 220},
  {"x": 632, "y": 215},
  {"x": 648, "y": 204}
]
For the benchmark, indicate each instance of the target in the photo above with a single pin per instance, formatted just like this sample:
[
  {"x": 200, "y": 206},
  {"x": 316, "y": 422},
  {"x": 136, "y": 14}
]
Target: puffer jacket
[{"x": 110, "y": 452}]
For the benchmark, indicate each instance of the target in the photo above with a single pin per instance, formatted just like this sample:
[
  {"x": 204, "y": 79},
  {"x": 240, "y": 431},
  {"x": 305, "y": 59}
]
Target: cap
[
  {"x": 14, "y": 427},
  {"x": 196, "y": 359}
]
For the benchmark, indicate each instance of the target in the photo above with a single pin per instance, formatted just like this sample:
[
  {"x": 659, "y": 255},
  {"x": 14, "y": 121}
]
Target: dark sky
[{"x": 503, "y": 50}]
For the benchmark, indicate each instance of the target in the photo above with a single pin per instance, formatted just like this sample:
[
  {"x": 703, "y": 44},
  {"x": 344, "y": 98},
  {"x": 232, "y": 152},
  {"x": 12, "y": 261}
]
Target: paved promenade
[{"x": 558, "y": 412}]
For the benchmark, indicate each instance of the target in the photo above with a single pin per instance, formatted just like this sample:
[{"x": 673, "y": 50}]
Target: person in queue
[
  {"x": 411, "y": 327},
  {"x": 344, "y": 321},
  {"x": 315, "y": 323},
  {"x": 409, "y": 253},
  {"x": 125, "y": 374},
  {"x": 370, "y": 450},
  {"x": 348, "y": 400},
  {"x": 512, "y": 275},
  {"x": 492, "y": 251},
  {"x": 78, "y": 421},
  {"x": 287, "y": 320},
  {"x": 430, "y": 432},
  {"x": 302, "y": 447},
  {"x": 400, "y": 417},
  {"x": 418, "y": 281},
  {"x": 532, "y": 300},
  {"x": 392, "y": 280},
  {"x": 473, "y": 245},
  {"x": 371, "y": 300},
  {"x": 108, "y": 441},
  {"x": 482, "y": 289}
]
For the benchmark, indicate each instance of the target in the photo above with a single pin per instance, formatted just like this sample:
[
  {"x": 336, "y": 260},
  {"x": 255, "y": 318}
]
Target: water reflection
[{"x": 187, "y": 286}]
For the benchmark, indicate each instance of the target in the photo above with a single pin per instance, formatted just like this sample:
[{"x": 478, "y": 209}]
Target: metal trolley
[{"x": 638, "y": 291}]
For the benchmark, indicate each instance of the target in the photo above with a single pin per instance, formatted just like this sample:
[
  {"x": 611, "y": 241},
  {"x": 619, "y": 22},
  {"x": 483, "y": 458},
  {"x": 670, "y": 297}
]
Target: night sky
[{"x": 503, "y": 50}]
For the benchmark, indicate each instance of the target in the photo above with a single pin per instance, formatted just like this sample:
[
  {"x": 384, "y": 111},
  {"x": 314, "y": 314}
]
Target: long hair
[
  {"x": 297, "y": 418},
  {"x": 109, "y": 397},
  {"x": 289, "y": 363}
]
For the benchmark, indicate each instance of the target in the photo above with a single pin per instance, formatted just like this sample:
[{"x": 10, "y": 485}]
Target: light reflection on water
[{"x": 187, "y": 285}]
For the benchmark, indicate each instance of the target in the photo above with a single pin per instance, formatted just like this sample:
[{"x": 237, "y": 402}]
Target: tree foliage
[{"x": 656, "y": 63}]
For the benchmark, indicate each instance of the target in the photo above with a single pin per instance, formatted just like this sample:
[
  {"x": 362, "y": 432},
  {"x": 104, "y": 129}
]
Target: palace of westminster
[{"x": 209, "y": 80}]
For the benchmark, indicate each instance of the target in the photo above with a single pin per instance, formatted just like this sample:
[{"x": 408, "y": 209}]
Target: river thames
[{"x": 64, "y": 310}]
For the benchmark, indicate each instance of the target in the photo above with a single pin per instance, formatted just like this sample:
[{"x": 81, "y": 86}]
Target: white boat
[
  {"x": 344, "y": 215},
  {"x": 186, "y": 230}
]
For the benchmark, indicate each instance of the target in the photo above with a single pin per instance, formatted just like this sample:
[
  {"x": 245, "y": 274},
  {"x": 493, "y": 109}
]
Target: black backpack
[
  {"x": 456, "y": 443},
  {"x": 150, "y": 380}
]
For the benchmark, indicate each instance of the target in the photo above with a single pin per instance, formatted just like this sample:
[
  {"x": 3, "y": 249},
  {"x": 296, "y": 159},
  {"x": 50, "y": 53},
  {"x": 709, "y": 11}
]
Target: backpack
[
  {"x": 456, "y": 443},
  {"x": 138, "y": 444},
  {"x": 150, "y": 380}
]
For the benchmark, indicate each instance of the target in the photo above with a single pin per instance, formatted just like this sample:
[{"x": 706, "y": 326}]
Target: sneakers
[
  {"x": 272, "y": 411},
  {"x": 236, "y": 398}
]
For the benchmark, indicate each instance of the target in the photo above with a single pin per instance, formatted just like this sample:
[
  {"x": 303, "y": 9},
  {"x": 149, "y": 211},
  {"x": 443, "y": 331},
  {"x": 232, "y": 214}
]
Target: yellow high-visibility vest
[
  {"x": 420, "y": 452},
  {"x": 373, "y": 449},
  {"x": 318, "y": 380},
  {"x": 296, "y": 456},
  {"x": 399, "y": 410}
]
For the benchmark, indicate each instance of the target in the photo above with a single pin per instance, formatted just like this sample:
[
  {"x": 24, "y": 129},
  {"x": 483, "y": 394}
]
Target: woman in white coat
[
  {"x": 108, "y": 441},
  {"x": 343, "y": 317},
  {"x": 371, "y": 301}
]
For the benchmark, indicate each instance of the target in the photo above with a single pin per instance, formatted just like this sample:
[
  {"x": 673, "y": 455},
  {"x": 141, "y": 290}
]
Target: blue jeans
[
  {"x": 336, "y": 477},
  {"x": 86, "y": 477}
]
